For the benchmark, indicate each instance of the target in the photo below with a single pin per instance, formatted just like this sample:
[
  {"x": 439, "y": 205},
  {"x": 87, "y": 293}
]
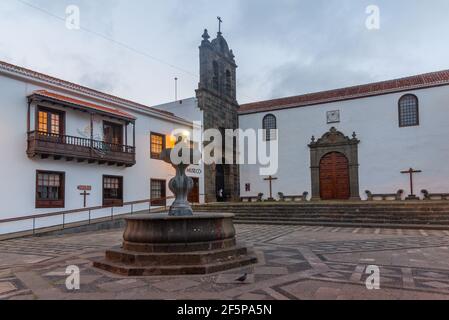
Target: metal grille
[
  {"x": 408, "y": 111},
  {"x": 269, "y": 124}
]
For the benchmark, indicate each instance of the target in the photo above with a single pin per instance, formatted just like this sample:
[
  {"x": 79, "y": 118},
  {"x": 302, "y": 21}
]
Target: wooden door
[
  {"x": 194, "y": 195},
  {"x": 113, "y": 133},
  {"x": 334, "y": 177}
]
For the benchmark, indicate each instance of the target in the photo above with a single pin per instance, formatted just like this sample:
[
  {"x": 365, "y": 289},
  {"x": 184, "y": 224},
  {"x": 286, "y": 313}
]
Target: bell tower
[{"x": 216, "y": 97}]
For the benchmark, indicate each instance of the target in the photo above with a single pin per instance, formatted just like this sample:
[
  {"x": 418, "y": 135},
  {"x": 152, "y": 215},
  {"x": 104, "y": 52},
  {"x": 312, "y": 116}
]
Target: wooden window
[
  {"x": 113, "y": 133},
  {"x": 268, "y": 124},
  {"x": 50, "y": 189},
  {"x": 112, "y": 191},
  {"x": 50, "y": 121},
  {"x": 408, "y": 111},
  {"x": 157, "y": 145},
  {"x": 158, "y": 192},
  {"x": 113, "y": 136}
]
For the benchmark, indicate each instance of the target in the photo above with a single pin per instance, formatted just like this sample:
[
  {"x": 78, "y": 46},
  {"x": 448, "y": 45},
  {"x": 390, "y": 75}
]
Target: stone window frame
[{"x": 335, "y": 141}]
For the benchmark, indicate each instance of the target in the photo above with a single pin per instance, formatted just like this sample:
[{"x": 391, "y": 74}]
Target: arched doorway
[
  {"x": 334, "y": 163},
  {"x": 334, "y": 177}
]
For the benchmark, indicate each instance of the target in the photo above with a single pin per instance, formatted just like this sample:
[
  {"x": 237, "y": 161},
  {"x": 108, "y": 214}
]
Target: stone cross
[
  {"x": 271, "y": 179},
  {"x": 219, "y": 24},
  {"x": 411, "y": 171}
]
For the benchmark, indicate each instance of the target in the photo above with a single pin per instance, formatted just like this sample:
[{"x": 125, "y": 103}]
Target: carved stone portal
[{"x": 335, "y": 141}]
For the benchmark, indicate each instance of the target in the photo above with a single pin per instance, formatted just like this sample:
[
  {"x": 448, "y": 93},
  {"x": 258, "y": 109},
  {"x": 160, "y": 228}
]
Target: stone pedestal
[{"x": 159, "y": 244}]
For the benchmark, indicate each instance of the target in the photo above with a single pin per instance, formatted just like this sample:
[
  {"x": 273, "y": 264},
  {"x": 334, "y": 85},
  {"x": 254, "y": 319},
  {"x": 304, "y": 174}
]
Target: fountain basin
[
  {"x": 159, "y": 244},
  {"x": 164, "y": 229}
]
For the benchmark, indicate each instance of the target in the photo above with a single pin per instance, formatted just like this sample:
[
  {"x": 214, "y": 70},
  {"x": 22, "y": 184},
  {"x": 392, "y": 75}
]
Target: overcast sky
[{"x": 282, "y": 47}]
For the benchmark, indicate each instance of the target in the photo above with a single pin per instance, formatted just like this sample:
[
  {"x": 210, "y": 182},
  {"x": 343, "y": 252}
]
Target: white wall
[
  {"x": 384, "y": 151},
  {"x": 186, "y": 109},
  {"x": 18, "y": 172}
]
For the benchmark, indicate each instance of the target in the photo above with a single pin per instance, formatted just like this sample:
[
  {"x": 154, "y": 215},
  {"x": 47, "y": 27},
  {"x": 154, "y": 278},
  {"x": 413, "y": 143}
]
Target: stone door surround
[{"x": 335, "y": 141}]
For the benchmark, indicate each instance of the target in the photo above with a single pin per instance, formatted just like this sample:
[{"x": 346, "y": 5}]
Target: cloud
[
  {"x": 283, "y": 47},
  {"x": 296, "y": 78}
]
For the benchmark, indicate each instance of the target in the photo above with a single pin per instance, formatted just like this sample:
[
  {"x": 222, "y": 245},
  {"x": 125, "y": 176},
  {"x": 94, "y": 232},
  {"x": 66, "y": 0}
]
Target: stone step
[
  {"x": 384, "y": 204},
  {"x": 332, "y": 215},
  {"x": 144, "y": 259},
  {"x": 408, "y": 221},
  {"x": 329, "y": 208},
  {"x": 368, "y": 216},
  {"x": 270, "y": 211},
  {"x": 329, "y": 211},
  {"x": 361, "y": 214},
  {"x": 136, "y": 271},
  {"x": 360, "y": 208},
  {"x": 310, "y": 212},
  {"x": 348, "y": 224}
]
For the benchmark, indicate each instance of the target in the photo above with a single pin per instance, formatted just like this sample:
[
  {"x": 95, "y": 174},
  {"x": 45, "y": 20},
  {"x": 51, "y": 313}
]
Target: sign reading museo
[{"x": 194, "y": 171}]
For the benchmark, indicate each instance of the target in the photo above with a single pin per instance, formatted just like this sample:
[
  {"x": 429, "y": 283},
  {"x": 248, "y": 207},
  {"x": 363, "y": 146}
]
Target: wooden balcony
[{"x": 79, "y": 149}]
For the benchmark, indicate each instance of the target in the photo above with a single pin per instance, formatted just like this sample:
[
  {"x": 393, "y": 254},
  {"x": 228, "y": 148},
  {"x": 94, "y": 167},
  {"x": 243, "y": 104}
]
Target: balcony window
[
  {"x": 157, "y": 145},
  {"x": 113, "y": 133},
  {"x": 50, "y": 121},
  {"x": 50, "y": 189},
  {"x": 112, "y": 191}
]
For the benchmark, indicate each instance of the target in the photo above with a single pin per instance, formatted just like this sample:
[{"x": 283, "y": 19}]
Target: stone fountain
[{"x": 179, "y": 241}]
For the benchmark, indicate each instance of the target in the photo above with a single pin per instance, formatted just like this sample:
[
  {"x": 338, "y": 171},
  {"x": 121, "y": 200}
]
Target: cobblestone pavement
[{"x": 294, "y": 263}]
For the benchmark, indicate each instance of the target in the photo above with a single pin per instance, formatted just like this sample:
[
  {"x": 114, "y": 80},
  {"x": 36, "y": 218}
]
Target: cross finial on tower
[{"x": 219, "y": 24}]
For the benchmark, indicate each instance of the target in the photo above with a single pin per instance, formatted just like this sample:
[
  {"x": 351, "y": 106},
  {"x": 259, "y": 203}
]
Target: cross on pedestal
[
  {"x": 85, "y": 194},
  {"x": 271, "y": 179},
  {"x": 411, "y": 171}
]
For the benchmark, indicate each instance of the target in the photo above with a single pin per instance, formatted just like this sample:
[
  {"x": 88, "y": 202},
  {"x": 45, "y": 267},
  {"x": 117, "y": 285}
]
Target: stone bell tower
[{"x": 216, "y": 96}]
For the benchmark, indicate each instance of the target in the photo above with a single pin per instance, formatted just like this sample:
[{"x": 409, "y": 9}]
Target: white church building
[
  {"x": 338, "y": 144},
  {"x": 67, "y": 147}
]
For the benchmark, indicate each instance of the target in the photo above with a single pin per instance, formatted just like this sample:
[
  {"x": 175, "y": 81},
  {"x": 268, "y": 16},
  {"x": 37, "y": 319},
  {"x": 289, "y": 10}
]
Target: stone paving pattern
[{"x": 295, "y": 262}]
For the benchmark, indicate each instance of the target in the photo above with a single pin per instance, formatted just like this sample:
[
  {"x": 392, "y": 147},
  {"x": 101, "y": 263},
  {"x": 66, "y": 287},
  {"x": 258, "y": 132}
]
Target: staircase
[{"x": 385, "y": 214}]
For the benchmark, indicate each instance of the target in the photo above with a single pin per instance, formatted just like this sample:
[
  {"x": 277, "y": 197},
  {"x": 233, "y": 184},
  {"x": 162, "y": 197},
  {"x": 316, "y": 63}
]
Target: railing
[
  {"x": 78, "y": 147},
  {"x": 90, "y": 210},
  {"x": 81, "y": 142}
]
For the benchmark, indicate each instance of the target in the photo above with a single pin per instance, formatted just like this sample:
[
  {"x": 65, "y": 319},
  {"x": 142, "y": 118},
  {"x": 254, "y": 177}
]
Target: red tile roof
[
  {"x": 409, "y": 83},
  {"x": 88, "y": 105},
  {"x": 73, "y": 86}
]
